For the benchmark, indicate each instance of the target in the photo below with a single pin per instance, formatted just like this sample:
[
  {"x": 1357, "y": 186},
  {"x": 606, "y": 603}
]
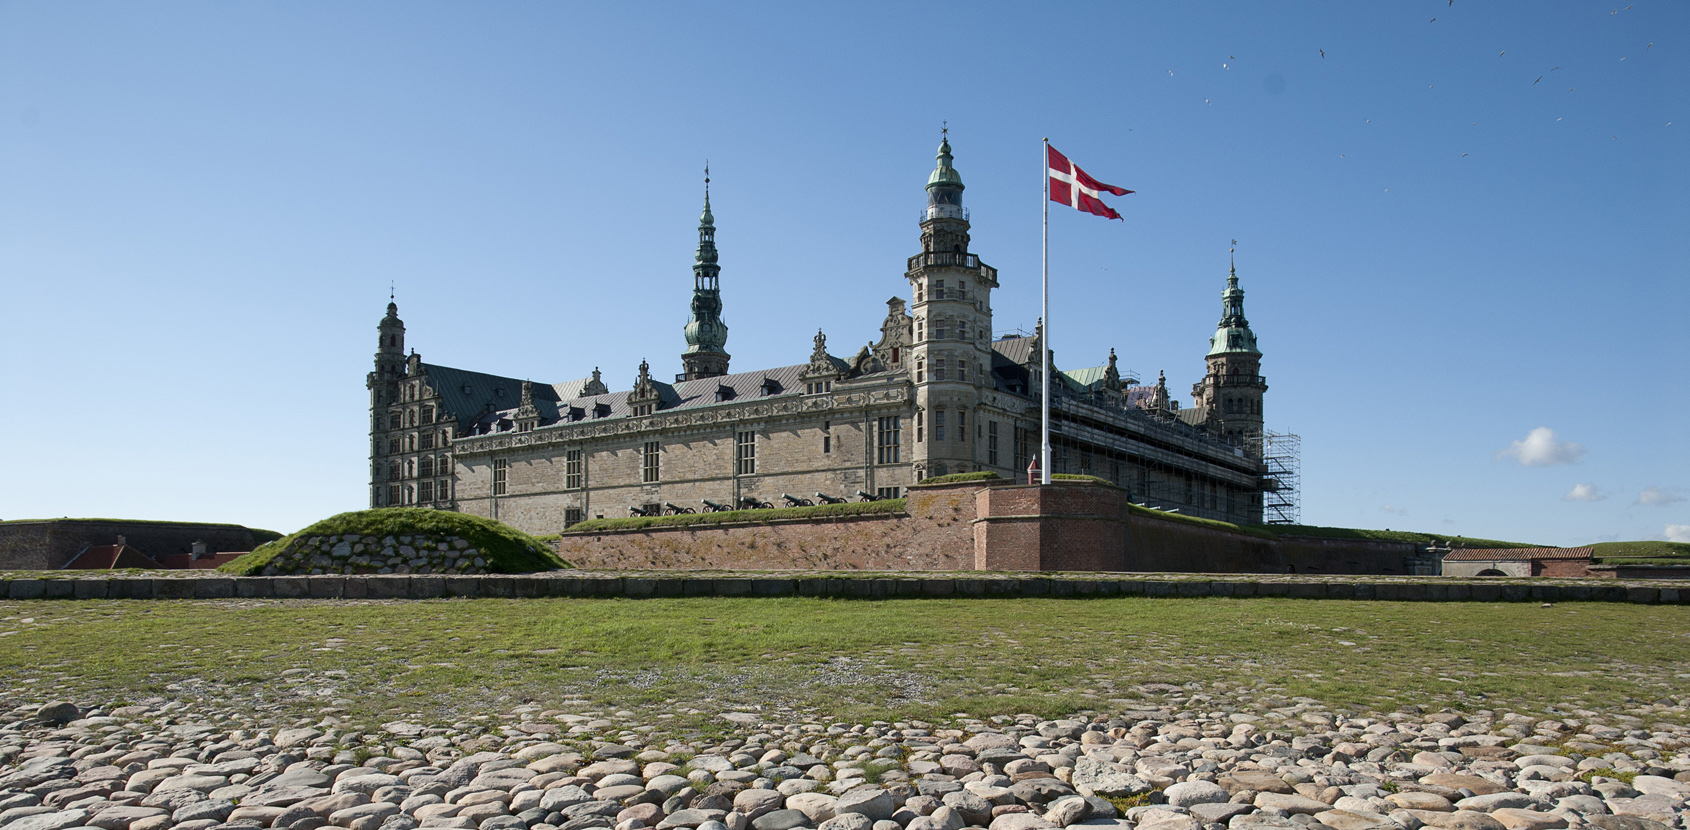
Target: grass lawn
[{"x": 676, "y": 663}]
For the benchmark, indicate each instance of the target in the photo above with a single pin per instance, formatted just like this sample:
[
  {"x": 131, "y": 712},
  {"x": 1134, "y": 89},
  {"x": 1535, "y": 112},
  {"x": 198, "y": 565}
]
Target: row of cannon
[{"x": 745, "y": 503}]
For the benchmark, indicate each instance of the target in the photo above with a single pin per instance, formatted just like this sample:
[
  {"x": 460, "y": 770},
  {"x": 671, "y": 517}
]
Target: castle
[{"x": 936, "y": 394}]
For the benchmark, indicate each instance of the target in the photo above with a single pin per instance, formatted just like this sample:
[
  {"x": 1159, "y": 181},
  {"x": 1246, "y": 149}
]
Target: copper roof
[{"x": 1516, "y": 554}]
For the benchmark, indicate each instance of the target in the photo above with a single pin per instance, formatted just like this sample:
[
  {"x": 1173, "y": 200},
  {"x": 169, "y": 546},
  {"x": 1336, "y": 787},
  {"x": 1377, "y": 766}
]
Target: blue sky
[{"x": 202, "y": 206}]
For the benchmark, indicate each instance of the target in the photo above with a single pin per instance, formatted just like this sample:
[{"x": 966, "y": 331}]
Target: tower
[
  {"x": 390, "y": 357},
  {"x": 950, "y": 356},
  {"x": 1231, "y": 391},
  {"x": 707, "y": 335}
]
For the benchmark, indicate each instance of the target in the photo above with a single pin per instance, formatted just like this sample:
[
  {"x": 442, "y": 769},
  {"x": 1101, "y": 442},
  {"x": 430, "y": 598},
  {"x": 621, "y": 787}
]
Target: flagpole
[{"x": 1044, "y": 323}]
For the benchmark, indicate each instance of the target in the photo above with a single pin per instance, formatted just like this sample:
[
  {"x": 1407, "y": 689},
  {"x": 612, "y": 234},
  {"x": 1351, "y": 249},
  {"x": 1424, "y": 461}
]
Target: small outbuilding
[{"x": 1518, "y": 562}]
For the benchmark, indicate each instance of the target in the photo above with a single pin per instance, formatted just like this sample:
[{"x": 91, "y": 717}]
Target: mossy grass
[
  {"x": 1644, "y": 551},
  {"x": 820, "y": 511},
  {"x": 797, "y": 657},
  {"x": 1081, "y": 477},
  {"x": 953, "y": 478},
  {"x": 1393, "y": 536},
  {"x": 1213, "y": 524},
  {"x": 506, "y": 549}
]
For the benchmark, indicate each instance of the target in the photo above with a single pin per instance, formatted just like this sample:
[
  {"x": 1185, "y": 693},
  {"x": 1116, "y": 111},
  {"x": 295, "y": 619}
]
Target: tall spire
[
  {"x": 706, "y": 334},
  {"x": 1233, "y": 334},
  {"x": 944, "y": 185}
]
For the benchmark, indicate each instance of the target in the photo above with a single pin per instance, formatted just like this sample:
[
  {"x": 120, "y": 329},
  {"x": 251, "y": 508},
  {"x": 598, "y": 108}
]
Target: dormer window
[
  {"x": 525, "y": 426},
  {"x": 643, "y": 409},
  {"x": 818, "y": 387},
  {"x": 601, "y": 410},
  {"x": 725, "y": 393},
  {"x": 771, "y": 386},
  {"x": 576, "y": 413}
]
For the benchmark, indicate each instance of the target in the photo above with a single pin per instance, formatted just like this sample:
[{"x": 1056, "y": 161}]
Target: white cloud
[
  {"x": 1540, "y": 448},
  {"x": 1656, "y": 497},
  {"x": 1678, "y": 533},
  {"x": 1585, "y": 492},
  {"x": 1391, "y": 508}
]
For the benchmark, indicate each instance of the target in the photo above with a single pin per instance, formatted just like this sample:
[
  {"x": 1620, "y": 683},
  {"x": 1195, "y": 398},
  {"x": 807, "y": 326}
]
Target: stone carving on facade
[{"x": 596, "y": 385}]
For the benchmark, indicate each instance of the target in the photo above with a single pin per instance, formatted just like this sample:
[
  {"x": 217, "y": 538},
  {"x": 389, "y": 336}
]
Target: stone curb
[{"x": 644, "y": 585}]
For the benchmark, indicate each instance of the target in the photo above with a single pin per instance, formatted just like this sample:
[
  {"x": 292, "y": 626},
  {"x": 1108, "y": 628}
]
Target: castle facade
[{"x": 936, "y": 394}]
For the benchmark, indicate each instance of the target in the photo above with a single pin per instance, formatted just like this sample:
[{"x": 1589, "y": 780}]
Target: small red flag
[{"x": 1070, "y": 186}]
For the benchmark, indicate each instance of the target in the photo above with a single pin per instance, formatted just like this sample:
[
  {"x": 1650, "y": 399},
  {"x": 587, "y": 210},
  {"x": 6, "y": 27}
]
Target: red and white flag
[{"x": 1071, "y": 186}]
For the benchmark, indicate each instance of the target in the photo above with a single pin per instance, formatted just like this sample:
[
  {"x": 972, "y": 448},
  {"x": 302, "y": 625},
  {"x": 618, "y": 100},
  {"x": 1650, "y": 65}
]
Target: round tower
[
  {"x": 1231, "y": 392},
  {"x": 950, "y": 356}
]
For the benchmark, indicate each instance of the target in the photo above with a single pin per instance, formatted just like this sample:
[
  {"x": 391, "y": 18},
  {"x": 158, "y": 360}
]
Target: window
[
  {"x": 920, "y": 428},
  {"x": 392, "y": 495},
  {"x": 643, "y": 409},
  {"x": 425, "y": 441},
  {"x": 425, "y": 491},
  {"x": 650, "y": 456},
  {"x": 962, "y": 370},
  {"x": 920, "y": 371},
  {"x": 939, "y": 329},
  {"x": 428, "y": 415},
  {"x": 992, "y": 443},
  {"x": 961, "y": 330},
  {"x": 886, "y": 441},
  {"x": 938, "y": 373},
  {"x": 961, "y": 290},
  {"x": 501, "y": 474},
  {"x": 827, "y": 437},
  {"x": 393, "y": 421},
  {"x": 745, "y": 453},
  {"x": 571, "y": 516},
  {"x": 425, "y": 467},
  {"x": 818, "y": 387},
  {"x": 525, "y": 426},
  {"x": 939, "y": 291},
  {"x": 443, "y": 490},
  {"x": 939, "y": 425},
  {"x": 1022, "y": 457},
  {"x": 888, "y": 492},
  {"x": 918, "y": 328},
  {"x": 392, "y": 446},
  {"x": 894, "y": 354},
  {"x": 572, "y": 478}
]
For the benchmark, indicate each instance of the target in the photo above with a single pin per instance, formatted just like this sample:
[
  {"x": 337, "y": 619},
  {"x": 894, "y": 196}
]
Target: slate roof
[
  {"x": 1018, "y": 350},
  {"x": 1516, "y": 554},
  {"x": 469, "y": 395},
  {"x": 689, "y": 394}
]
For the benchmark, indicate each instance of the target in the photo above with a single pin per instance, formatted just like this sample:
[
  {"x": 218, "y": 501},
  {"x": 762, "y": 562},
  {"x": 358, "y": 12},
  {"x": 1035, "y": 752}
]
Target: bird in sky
[
  {"x": 1323, "y": 53},
  {"x": 1433, "y": 20},
  {"x": 1539, "y": 78},
  {"x": 1650, "y": 46},
  {"x": 1503, "y": 52},
  {"x": 1463, "y": 155}
]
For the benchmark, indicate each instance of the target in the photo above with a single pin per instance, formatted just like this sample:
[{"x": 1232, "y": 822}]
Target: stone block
[
  {"x": 1577, "y": 593},
  {"x": 58, "y": 589},
  {"x": 639, "y": 586},
  {"x": 528, "y": 587},
  {"x": 387, "y": 587},
  {"x": 173, "y": 588},
  {"x": 1366, "y": 590},
  {"x": 1340, "y": 590},
  {"x": 1485, "y": 591},
  {"x": 255, "y": 587},
  {"x": 971, "y": 587},
  {"x": 1086, "y": 588},
  {"x": 937, "y": 587},
  {"x": 1308, "y": 590},
  {"x": 427, "y": 587},
  {"x": 698, "y": 587},
  {"x": 1194, "y": 588},
  {"x": 25, "y": 588},
  {"x": 732, "y": 587},
  {"x": 1670, "y": 595},
  {"x": 772, "y": 587},
  {"x": 1272, "y": 589},
  {"x": 905, "y": 587},
  {"x": 463, "y": 586},
  {"x": 667, "y": 588},
  {"x": 219, "y": 587},
  {"x": 130, "y": 588},
  {"x": 1516, "y": 593},
  {"x": 1061, "y": 587},
  {"x": 1159, "y": 588},
  {"x": 356, "y": 586},
  {"x": 1459, "y": 591},
  {"x": 565, "y": 586},
  {"x": 90, "y": 589},
  {"x": 1643, "y": 595},
  {"x": 326, "y": 587},
  {"x": 1546, "y": 593},
  {"x": 502, "y": 587},
  {"x": 290, "y": 586},
  {"x": 1433, "y": 591}
]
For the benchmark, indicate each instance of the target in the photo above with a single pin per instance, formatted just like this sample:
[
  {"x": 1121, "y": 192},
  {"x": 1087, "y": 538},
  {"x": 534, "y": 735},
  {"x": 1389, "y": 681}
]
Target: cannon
[
  {"x": 794, "y": 501},
  {"x": 827, "y": 499},
  {"x": 751, "y": 503},
  {"x": 640, "y": 511},
  {"x": 862, "y": 496},
  {"x": 712, "y": 507},
  {"x": 676, "y": 510}
]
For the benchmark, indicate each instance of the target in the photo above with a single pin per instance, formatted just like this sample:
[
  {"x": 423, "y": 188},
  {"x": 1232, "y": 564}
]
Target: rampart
[
  {"x": 48, "y": 544},
  {"x": 987, "y": 526}
]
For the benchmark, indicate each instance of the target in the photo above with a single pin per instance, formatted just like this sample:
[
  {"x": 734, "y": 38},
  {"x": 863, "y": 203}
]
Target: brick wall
[{"x": 49, "y": 544}]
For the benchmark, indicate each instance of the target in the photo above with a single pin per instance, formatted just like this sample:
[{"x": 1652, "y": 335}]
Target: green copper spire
[
  {"x": 944, "y": 186},
  {"x": 1233, "y": 335},
  {"x": 706, "y": 334}
]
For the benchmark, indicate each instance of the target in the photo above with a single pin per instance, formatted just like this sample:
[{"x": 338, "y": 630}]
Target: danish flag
[{"x": 1070, "y": 186}]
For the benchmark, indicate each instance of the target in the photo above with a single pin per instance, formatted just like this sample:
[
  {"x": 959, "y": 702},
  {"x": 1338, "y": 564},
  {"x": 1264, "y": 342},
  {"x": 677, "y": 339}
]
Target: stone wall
[
  {"x": 50, "y": 543},
  {"x": 933, "y": 534}
]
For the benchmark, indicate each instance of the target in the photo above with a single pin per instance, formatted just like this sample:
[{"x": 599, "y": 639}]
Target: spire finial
[{"x": 392, "y": 290}]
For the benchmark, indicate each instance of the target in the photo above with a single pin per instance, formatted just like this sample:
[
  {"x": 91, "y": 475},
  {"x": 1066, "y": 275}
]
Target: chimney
[
  {"x": 199, "y": 549},
  {"x": 121, "y": 541}
]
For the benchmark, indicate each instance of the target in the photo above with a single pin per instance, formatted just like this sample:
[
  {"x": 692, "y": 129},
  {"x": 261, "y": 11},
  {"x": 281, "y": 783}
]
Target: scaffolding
[{"x": 1282, "y": 486}]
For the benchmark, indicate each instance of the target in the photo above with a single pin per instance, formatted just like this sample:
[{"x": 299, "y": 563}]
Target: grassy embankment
[
  {"x": 809, "y": 657},
  {"x": 506, "y": 549}
]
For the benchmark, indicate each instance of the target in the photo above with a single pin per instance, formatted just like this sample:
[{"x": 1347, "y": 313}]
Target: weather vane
[{"x": 945, "y": 129}]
